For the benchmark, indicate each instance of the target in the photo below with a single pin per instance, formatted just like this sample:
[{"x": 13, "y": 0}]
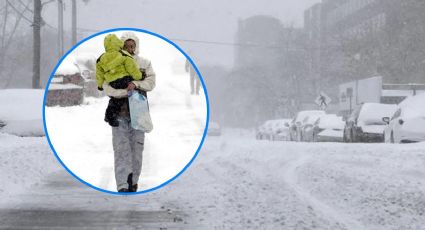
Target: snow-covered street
[{"x": 237, "y": 182}]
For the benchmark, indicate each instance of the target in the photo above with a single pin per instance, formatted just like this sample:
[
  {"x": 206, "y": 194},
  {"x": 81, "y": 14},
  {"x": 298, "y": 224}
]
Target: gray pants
[{"x": 128, "y": 145}]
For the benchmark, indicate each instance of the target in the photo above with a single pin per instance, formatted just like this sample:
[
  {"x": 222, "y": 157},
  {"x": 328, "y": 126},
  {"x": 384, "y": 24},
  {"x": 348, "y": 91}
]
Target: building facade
[{"x": 356, "y": 39}]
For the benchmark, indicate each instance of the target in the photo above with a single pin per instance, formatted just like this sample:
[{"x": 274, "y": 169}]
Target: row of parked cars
[
  {"x": 370, "y": 122},
  {"x": 312, "y": 125}
]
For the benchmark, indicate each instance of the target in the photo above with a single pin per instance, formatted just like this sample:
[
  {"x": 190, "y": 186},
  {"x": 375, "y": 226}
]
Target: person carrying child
[
  {"x": 128, "y": 143},
  {"x": 117, "y": 68}
]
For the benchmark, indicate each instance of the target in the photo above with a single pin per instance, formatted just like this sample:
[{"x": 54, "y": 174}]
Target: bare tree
[{"x": 12, "y": 18}]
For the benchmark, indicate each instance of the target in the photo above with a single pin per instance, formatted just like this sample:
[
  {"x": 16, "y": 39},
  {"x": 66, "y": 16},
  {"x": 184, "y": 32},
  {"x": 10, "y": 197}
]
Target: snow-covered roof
[
  {"x": 64, "y": 86},
  {"x": 57, "y": 80},
  {"x": 67, "y": 67}
]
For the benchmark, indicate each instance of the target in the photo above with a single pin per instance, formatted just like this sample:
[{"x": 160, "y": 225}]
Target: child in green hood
[{"x": 118, "y": 68}]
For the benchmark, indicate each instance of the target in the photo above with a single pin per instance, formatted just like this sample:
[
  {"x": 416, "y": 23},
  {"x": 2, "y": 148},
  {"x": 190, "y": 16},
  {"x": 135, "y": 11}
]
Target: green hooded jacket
[{"x": 115, "y": 63}]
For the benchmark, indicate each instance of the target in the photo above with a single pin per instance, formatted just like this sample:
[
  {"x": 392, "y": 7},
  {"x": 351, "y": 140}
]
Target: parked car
[
  {"x": 408, "y": 122},
  {"x": 214, "y": 129},
  {"x": 307, "y": 127},
  {"x": 365, "y": 123},
  {"x": 328, "y": 128},
  {"x": 272, "y": 130},
  {"x": 263, "y": 130},
  {"x": 280, "y": 130},
  {"x": 296, "y": 124}
]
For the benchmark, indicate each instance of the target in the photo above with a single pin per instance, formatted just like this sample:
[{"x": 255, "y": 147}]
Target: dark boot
[
  {"x": 123, "y": 190},
  {"x": 113, "y": 123},
  {"x": 134, "y": 189},
  {"x": 130, "y": 182}
]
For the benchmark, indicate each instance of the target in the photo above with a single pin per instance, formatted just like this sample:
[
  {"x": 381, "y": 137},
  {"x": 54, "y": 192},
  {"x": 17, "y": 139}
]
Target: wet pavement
[{"x": 61, "y": 202}]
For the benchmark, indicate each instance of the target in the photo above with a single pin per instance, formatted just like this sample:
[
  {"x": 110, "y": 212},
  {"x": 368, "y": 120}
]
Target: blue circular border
[{"x": 146, "y": 32}]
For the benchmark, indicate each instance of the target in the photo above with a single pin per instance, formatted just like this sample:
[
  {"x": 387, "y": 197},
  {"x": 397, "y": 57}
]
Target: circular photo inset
[{"x": 126, "y": 111}]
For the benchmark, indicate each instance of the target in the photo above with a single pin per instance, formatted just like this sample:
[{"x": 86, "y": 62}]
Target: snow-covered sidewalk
[{"x": 24, "y": 162}]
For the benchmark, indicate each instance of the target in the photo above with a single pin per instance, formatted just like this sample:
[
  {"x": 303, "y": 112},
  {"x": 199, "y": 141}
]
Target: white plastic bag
[{"x": 139, "y": 112}]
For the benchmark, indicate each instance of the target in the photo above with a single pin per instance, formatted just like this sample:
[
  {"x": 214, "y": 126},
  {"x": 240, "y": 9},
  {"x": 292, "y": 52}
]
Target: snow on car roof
[
  {"x": 331, "y": 121},
  {"x": 311, "y": 119},
  {"x": 413, "y": 105},
  {"x": 21, "y": 111},
  {"x": 372, "y": 113},
  {"x": 303, "y": 114},
  {"x": 21, "y": 104}
]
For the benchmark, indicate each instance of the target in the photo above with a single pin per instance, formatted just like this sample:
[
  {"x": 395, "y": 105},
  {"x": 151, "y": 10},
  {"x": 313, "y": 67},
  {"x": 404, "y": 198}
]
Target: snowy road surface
[{"x": 240, "y": 183}]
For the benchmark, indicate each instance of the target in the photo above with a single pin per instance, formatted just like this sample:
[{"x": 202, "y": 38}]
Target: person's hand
[{"x": 131, "y": 86}]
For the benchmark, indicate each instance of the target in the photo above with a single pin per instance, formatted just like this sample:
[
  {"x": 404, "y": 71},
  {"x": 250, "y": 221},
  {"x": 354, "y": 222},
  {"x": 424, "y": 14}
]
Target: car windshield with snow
[{"x": 366, "y": 125}]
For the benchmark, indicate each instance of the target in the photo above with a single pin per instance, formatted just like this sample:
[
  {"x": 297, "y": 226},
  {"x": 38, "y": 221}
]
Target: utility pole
[
  {"x": 74, "y": 23},
  {"x": 60, "y": 28},
  {"x": 36, "y": 44}
]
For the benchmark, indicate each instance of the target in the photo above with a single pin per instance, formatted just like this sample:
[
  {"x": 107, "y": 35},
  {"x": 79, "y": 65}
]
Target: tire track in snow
[{"x": 291, "y": 179}]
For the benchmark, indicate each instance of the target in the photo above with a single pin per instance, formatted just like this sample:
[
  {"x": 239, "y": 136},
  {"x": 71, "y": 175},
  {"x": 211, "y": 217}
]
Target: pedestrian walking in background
[{"x": 195, "y": 83}]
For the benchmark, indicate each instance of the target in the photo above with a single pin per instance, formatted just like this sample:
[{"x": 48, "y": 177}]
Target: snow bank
[
  {"x": 22, "y": 111},
  {"x": 24, "y": 161}
]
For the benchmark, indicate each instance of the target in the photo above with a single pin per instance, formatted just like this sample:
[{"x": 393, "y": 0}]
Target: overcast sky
[{"x": 204, "y": 20}]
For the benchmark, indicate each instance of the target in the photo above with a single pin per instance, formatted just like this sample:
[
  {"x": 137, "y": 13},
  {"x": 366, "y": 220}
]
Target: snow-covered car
[
  {"x": 214, "y": 129},
  {"x": 408, "y": 122},
  {"x": 261, "y": 131},
  {"x": 365, "y": 123},
  {"x": 264, "y": 131},
  {"x": 280, "y": 130},
  {"x": 21, "y": 112},
  {"x": 328, "y": 128},
  {"x": 267, "y": 130},
  {"x": 296, "y": 124},
  {"x": 307, "y": 128}
]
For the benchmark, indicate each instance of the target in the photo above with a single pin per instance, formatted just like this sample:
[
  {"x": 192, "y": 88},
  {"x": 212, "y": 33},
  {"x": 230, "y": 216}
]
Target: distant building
[
  {"x": 344, "y": 40},
  {"x": 313, "y": 31},
  {"x": 352, "y": 18},
  {"x": 258, "y": 39},
  {"x": 270, "y": 68}
]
